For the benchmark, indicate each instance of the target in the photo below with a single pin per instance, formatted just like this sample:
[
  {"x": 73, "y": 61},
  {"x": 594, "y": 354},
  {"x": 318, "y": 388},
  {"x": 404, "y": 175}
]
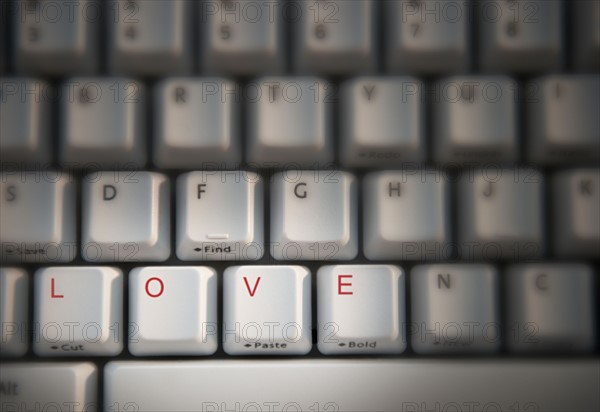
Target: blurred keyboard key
[
  {"x": 242, "y": 37},
  {"x": 475, "y": 120},
  {"x": 25, "y": 126},
  {"x": 427, "y": 36},
  {"x": 149, "y": 38},
  {"x": 335, "y": 37},
  {"x": 576, "y": 204},
  {"x": 267, "y": 310},
  {"x": 78, "y": 311},
  {"x": 314, "y": 215},
  {"x": 550, "y": 308},
  {"x": 14, "y": 308},
  {"x": 290, "y": 122},
  {"x": 125, "y": 217},
  {"x": 361, "y": 309},
  {"x": 382, "y": 122},
  {"x": 501, "y": 214},
  {"x": 57, "y": 38},
  {"x": 50, "y": 386},
  {"x": 37, "y": 216},
  {"x": 173, "y": 311},
  {"x": 197, "y": 124},
  {"x": 406, "y": 215},
  {"x": 102, "y": 123},
  {"x": 220, "y": 216},
  {"x": 522, "y": 36},
  {"x": 586, "y": 34},
  {"x": 563, "y": 126},
  {"x": 455, "y": 309}
]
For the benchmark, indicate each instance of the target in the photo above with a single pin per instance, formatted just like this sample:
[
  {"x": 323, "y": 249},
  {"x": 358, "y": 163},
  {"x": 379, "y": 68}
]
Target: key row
[
  {"x": 407, "y": 215},
  {"x": 365, "y": 385},
  {"x": 197, "y": 123},
  {"x": 361, "y": 309},
  {"x": 334, "y": 37}
]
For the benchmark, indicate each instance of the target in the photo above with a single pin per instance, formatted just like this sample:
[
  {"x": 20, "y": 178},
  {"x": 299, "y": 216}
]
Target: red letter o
[{"x": 162, "y": 288}]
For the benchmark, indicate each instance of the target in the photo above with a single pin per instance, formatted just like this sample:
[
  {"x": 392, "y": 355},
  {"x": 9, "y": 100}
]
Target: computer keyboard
[{"x": 319, "y": 205}]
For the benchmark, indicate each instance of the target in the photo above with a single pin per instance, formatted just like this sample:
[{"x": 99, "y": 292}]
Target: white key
[
  {"x": 49, "y": 386},
  {"x": 197, "y": 124},
  {"x": 382, "y": 122},
  {"x": 14, "y": 304},
  {"x": 520, "y": 35},
  {"x": 126, "y": 217},
  {"x": 455, "y": 309},
  {"x": 314, "y": 215},
  {"x": 586, "y": 34},
  {"x": 173, "y": 311},
  {"x": 289, "y": 122},
  {"x": 220, "y": 216},
  {"x": 335, "y": 37},
  {"x": 242, "y": 38},
  {"x": 406, "y": 215},
  {"x": 576, "y": 200},
  {"x": 56, "y": 37},
  {"x": 266, "y": 310},
  {"x": 361, "y": 309},
  {"x": 102, "y": 124},
  {"x": 501, "y": 214},
  {"x": 25, "y": 123},
  {"x": 78, "y": 311},
  {"x": 551, "y": 308},
  {"x": 475, "y": 120},
  {"x": 563, "y": 124},
  {"x": 37, "y": 216},
  {"x": 149, "y": 37},
  {"x": 427, "y": 36},
  {"x": 361, "y": 385}
]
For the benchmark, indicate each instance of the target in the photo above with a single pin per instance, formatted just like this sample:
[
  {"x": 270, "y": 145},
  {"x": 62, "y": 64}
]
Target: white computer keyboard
[{"x": 321, "y": 205}]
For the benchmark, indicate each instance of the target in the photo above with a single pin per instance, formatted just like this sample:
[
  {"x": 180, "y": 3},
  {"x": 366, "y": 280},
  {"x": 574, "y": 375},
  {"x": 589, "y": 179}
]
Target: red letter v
[{"x": 253, "y": 291}]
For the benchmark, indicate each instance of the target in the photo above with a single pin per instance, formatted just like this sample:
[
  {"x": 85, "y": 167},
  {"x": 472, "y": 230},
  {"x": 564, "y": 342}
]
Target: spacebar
[{"x": 354, "y": 385}]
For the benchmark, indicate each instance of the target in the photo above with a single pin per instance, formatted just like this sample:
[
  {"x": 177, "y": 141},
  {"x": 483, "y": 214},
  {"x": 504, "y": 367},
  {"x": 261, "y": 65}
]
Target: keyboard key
[
  {"x": 266, "y": 310},
  {"x": 289, "y": 122},
  {"x": 126, "y": 217},
  {"x": 56, "y": 38},
  {"x": 14, "y": 300},
  {"x": 360, "y": 385},
  {"x": 103, "y": 123},
  {"x": 406, "y": 215},
  {"x": 586, "y": 34},
  {"x": 501, "y": 214},
  {"x": 172, "y": 311},
  {"x": 427, "y": 36},
  {"x": 520, "y": 35},
  {"x": 563, "y": 120},
  {"x": 314, "y": 215},
  {"x": 550, "y": 308},
  {"x": 78, "y": 311},
  {"x": 455, "y": 309},
  {"x": 361, "y": 309},
  {"x": 220, "y": 216},
  {"x": 243, "y": 38},
  {"x": 576, "y": 201},
  {"x": 335, "y": 37},
  {"x": 37, "y": 216},
  {"x": 197, "y": 124},
  {"x": 149, "y": 38},
  {"x": 25, "y": 123},
  {"x": 49, "y": 386},
  {"x": 475, "y": 120},
  {"x": 382, "y": 122}
]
